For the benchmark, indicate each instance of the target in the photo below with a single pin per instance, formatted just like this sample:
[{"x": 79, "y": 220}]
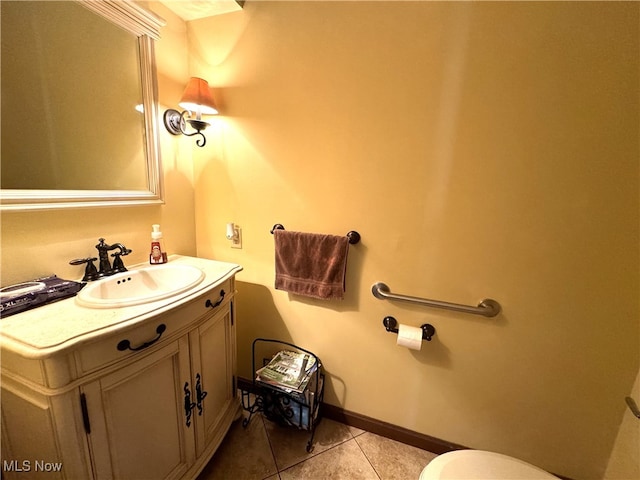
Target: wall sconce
[{"x": 195, "y": 99}]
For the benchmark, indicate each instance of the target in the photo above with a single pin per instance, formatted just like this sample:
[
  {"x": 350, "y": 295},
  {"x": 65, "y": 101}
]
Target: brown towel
[{"x": 311, "y": 264}]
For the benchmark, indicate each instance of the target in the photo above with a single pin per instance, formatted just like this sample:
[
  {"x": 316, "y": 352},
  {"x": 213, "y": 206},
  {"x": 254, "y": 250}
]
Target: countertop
[{"x": 49, "y": 329}]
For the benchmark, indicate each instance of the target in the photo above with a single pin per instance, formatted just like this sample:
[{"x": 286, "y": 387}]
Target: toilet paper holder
[{"x": 391, "y": 325}]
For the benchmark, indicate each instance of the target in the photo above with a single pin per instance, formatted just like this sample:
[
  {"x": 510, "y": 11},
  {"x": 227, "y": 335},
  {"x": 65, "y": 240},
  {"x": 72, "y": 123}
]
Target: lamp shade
[{"x": 197, "y": 97}]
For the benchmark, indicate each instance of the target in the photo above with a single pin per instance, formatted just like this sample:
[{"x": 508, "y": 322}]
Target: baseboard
[
  {"x": 388, "y": 430},
  {"x": 378, "y": 427}
]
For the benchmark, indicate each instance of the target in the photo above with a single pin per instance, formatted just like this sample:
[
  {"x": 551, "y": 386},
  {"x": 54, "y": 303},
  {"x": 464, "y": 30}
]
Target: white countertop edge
[{"x": 16, "y": 333}]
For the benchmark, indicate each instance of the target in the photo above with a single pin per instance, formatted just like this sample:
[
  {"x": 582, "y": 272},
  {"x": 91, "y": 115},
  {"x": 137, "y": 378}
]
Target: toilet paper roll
[{"x": 410, "y": 337}]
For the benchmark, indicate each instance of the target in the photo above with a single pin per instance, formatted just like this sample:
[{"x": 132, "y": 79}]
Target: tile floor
[{"x": 266, "y": 451}]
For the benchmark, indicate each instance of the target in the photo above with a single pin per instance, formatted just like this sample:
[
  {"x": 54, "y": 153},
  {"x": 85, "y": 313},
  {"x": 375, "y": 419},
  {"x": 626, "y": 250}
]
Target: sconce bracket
[
  {"x": 175, "y": 122},
  {"x": 172, "y": 121}
]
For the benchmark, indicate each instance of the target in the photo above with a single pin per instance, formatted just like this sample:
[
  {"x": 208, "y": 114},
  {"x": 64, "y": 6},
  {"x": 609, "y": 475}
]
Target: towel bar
[
  {"x": 487, "y": 307},
  {"x": 391, "y": 324},
  {"x": 354, "y": 237}
]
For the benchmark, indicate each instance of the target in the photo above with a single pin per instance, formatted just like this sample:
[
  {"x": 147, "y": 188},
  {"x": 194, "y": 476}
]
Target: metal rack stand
[{"x": 287, "y": 408}]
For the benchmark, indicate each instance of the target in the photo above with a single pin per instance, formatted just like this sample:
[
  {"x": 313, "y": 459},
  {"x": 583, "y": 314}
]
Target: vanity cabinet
[{"x": 156, "y": 410}]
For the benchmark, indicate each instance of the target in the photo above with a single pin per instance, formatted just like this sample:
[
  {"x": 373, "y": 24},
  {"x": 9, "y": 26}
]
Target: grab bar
[
  {"x": 487, "y": 307},
  {"x": 632, "y": 406}
]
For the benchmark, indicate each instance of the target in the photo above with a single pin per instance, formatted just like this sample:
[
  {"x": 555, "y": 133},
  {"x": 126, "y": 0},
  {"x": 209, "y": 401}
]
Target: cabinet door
[
  {"x": 138, "y": 426},
  {"x": 212, "y": 359}
]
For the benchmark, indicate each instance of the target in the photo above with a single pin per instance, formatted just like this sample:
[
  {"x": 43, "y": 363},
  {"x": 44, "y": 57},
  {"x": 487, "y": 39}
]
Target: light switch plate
[{"x": 236, "y": 242}]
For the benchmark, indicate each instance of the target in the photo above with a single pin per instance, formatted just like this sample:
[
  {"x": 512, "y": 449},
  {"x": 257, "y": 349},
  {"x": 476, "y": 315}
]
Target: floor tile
[
  {"x": 244, "y": 454},
  {"x": 289, "y": 444},
  {"x": 356, "y": 431},
  {"x": 393, "y": 460},
  {"x": 343, "y": 462}
]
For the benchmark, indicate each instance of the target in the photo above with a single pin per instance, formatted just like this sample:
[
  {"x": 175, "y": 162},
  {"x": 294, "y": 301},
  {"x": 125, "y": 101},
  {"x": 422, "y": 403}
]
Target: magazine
[{"x": 288, "y": 371}]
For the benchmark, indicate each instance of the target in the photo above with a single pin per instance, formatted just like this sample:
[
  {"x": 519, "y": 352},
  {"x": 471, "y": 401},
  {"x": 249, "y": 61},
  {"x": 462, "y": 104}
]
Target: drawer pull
[
  {"x": 209, "y": 303},
  {"x": 126, "y": 344}
]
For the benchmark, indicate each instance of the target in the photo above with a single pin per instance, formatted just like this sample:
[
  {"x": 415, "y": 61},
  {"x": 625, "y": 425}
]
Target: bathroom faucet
[
  {"x": 92, "y": 273},
  {"x": 105, "y": 267}
]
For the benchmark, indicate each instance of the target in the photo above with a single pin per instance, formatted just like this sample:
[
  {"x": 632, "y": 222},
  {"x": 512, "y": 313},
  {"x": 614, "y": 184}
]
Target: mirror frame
[{"x": 146, "y": 26}]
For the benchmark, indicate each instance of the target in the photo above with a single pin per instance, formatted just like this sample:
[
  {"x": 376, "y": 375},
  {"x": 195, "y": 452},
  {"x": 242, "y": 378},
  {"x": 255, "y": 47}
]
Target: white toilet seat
[{"x": 481, "y": 465}]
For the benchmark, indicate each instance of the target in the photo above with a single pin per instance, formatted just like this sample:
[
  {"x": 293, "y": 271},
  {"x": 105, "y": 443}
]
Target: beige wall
[
  {"x": 42, "y": 242},
  {"x": 485, "y": 149}
]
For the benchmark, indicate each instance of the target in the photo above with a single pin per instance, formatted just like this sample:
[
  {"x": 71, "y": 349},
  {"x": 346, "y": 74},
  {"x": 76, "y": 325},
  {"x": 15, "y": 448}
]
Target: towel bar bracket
[
  {"x": 487, "y": 307},
  {"x": 354, "y": 237}
]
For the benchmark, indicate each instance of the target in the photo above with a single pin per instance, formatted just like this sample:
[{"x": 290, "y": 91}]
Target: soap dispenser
[{"x": 158, "y": 253}]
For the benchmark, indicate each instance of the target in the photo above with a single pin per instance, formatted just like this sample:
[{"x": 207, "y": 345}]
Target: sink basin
[{"x": 139, "y": 286}]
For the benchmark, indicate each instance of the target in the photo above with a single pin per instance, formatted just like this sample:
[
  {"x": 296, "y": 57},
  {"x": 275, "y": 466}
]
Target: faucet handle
[
  {"x": 118, "y": 264},
  {"x": 90, "y": 272}
]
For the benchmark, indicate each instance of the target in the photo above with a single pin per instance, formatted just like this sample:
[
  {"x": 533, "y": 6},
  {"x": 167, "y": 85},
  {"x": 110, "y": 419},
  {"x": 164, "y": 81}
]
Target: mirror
[{"x": 79, "y": 105}]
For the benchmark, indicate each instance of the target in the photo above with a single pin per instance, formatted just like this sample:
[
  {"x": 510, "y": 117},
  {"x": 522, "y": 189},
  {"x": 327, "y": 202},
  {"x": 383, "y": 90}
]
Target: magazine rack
[{"x": 282, "y": 406}]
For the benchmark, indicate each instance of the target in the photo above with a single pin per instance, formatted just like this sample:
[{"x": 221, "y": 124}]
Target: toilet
[{"x": 481, "y": 465}]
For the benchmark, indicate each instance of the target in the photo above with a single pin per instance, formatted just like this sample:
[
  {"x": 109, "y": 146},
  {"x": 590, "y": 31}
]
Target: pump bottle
[{"x": 158, "y": 253}]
